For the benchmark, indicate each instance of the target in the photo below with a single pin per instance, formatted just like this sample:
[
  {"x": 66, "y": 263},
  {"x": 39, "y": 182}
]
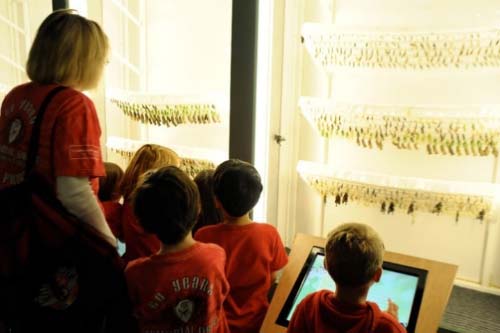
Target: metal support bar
[
  {"x": 11, "y": 62},
  {"x": 11, "y": 24},
  {"x": 60, "y": 4},
  {"x": 127, "y": 13},
  {"x": 243, "y": 79}
]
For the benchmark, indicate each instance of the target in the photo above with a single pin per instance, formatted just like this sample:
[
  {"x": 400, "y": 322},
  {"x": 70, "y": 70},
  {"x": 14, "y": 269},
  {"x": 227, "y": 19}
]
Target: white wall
[{"x": 469, "y": 243}]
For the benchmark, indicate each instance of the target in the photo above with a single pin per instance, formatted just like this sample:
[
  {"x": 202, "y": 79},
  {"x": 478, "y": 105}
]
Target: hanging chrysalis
[
  {"x": 437, "y": 208},
  {"x": 337, "y": 199},
  {"x": 382, "y": 208},
  {"x": 411, "y": 208},
  {"x": 390, "y": 210},
  {"x": 481, "y": 215},
  {"x": 345, "y": 198}
]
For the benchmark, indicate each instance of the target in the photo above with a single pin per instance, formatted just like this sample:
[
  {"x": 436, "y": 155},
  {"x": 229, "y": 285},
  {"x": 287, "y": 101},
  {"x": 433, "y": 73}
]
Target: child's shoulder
[
  {"x": 209, "y": 231},
  {"x": 263, "y": 228},
  {"x": 213, "y": 232},
  {"x": 211, "y": 248},
  {"x": 136, "y": 265},
  {"x": 212, "y": 227},
  {"x": 208, "y": 257},
  {"x": 317, "y": 299}
]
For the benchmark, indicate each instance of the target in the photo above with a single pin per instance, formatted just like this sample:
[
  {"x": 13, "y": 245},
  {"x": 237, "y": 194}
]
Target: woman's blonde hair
[
  {"x": 69, "y": 50},
  {"x": 148, "y": 157}
]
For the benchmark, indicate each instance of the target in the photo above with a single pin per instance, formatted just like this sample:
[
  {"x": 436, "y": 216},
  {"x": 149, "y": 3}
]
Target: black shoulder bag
[{"x": 57, "y": 274}]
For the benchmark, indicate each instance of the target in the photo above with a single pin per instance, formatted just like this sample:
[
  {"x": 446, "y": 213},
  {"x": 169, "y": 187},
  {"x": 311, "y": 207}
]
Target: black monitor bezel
[{"x": 421, "y": 274}]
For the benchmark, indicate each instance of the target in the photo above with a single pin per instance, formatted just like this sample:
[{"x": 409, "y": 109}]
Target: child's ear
[{"x": 377, "y": 275}]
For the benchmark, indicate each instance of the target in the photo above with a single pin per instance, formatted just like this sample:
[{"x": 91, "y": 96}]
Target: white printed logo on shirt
[
  {"x": 184, "y": 310},
  {"x": 61, "y": 291},
  {"x": 15, "y": 129}
]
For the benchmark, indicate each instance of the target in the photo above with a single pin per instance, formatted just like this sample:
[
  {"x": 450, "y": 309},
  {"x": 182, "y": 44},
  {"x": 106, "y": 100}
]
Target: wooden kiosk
[{"x": 436, "y": 292}]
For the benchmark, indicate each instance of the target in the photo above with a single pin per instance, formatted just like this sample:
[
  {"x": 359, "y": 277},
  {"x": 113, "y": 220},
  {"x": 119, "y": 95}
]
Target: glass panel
[
  {"x": 18, "y": 22},
  {"x": 169, "y": 55}
]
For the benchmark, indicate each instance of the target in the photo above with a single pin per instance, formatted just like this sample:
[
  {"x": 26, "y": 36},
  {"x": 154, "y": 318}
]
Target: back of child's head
[
  {"x": 109, "y": 184},
  {"x": 354, "y": 252},
  {"x": 237, "y": 186},
  {"x": 209, "y": 213},
  {"x": 167, "y": 204},
  {"x": 149, "y": 156}
]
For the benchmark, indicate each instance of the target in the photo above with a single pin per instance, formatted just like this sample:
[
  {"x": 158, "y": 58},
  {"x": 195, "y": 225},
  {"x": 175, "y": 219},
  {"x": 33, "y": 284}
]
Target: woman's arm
[{"x": 76, "y": 195}]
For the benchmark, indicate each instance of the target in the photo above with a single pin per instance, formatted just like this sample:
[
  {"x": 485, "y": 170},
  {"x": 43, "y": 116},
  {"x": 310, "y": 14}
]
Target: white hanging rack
[
  {"x": 129, "y": 145},
  {"x": 459, "y": 130},
  {"x": 167, "y": 110},
  {"x": 409, "y": 193},
  {"x": 332, "y": 46}
]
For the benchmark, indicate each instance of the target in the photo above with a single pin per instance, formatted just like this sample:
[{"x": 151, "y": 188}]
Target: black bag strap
[{"x": 35, "y": 133}]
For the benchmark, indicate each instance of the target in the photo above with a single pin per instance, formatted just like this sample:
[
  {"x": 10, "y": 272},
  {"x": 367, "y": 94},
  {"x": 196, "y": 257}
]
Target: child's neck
[
  {"x": 352, "y": 296},
  {"x": 242, "y": 220},
  {"x": 184, "y": 244}
]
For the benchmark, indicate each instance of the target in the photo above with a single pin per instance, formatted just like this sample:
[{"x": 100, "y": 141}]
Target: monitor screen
[{"x": 402, "y": 284}]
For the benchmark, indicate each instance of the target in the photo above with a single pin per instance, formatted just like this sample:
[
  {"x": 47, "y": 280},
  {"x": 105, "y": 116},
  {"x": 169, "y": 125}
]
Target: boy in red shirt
[
  {"x": 183, "y": 286},
  {"x": 254, "y": 251},
  {"x": 139, "y": 243},
  {"x": 353, "y": 258}
]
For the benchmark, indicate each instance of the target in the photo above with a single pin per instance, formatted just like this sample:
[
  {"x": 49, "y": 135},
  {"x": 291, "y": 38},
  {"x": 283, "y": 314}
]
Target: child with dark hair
[
  {"x": 148, "y": 157},
  {"x": 353, "y": 258},
  {"x": 255, "y": 251},
  {"x": 183, "y": 286},
  {"x": 209, "y": 213},
  {"x": 109, "y": 195}
]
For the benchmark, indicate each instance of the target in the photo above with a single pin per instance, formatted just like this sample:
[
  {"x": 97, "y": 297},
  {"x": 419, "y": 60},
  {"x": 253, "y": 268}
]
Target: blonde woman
[
  {"x": 75, "y": 284},
  {"x": 69, "y": 50}
]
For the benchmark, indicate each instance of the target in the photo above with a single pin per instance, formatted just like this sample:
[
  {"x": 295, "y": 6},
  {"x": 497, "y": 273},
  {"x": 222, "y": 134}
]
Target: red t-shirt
[
  {"x": 181, "y": 291},
  {"x": 322, "y": 312},
  {"x": 138, "y": 242},
  {"x": 69, "y": 138},
  {"x": 113, "y": 214},
  {"x": 254, "y": 252}
]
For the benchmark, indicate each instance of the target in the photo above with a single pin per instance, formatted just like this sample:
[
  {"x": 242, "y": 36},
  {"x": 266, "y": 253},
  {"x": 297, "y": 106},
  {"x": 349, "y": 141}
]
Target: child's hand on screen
[{"x": 392, "y": 308}]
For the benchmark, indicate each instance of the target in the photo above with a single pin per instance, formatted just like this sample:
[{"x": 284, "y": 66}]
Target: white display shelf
[
  {"x": 458, "y": 130},
  {"x": 167, "y": 110},
  {"x": 411, "y": 194},
  {"x": 193, "y": 160},
  {"x": 332, "y": 47}
]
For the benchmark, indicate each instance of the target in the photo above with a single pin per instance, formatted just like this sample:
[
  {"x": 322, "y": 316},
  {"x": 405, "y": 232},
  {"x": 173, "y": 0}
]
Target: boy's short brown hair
[
  {"x": 237, "y": 185},
  {"x": 69, "y": 50},
  {"x": 353, "y": 253},
  {"x": 167, "y": 204}
]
